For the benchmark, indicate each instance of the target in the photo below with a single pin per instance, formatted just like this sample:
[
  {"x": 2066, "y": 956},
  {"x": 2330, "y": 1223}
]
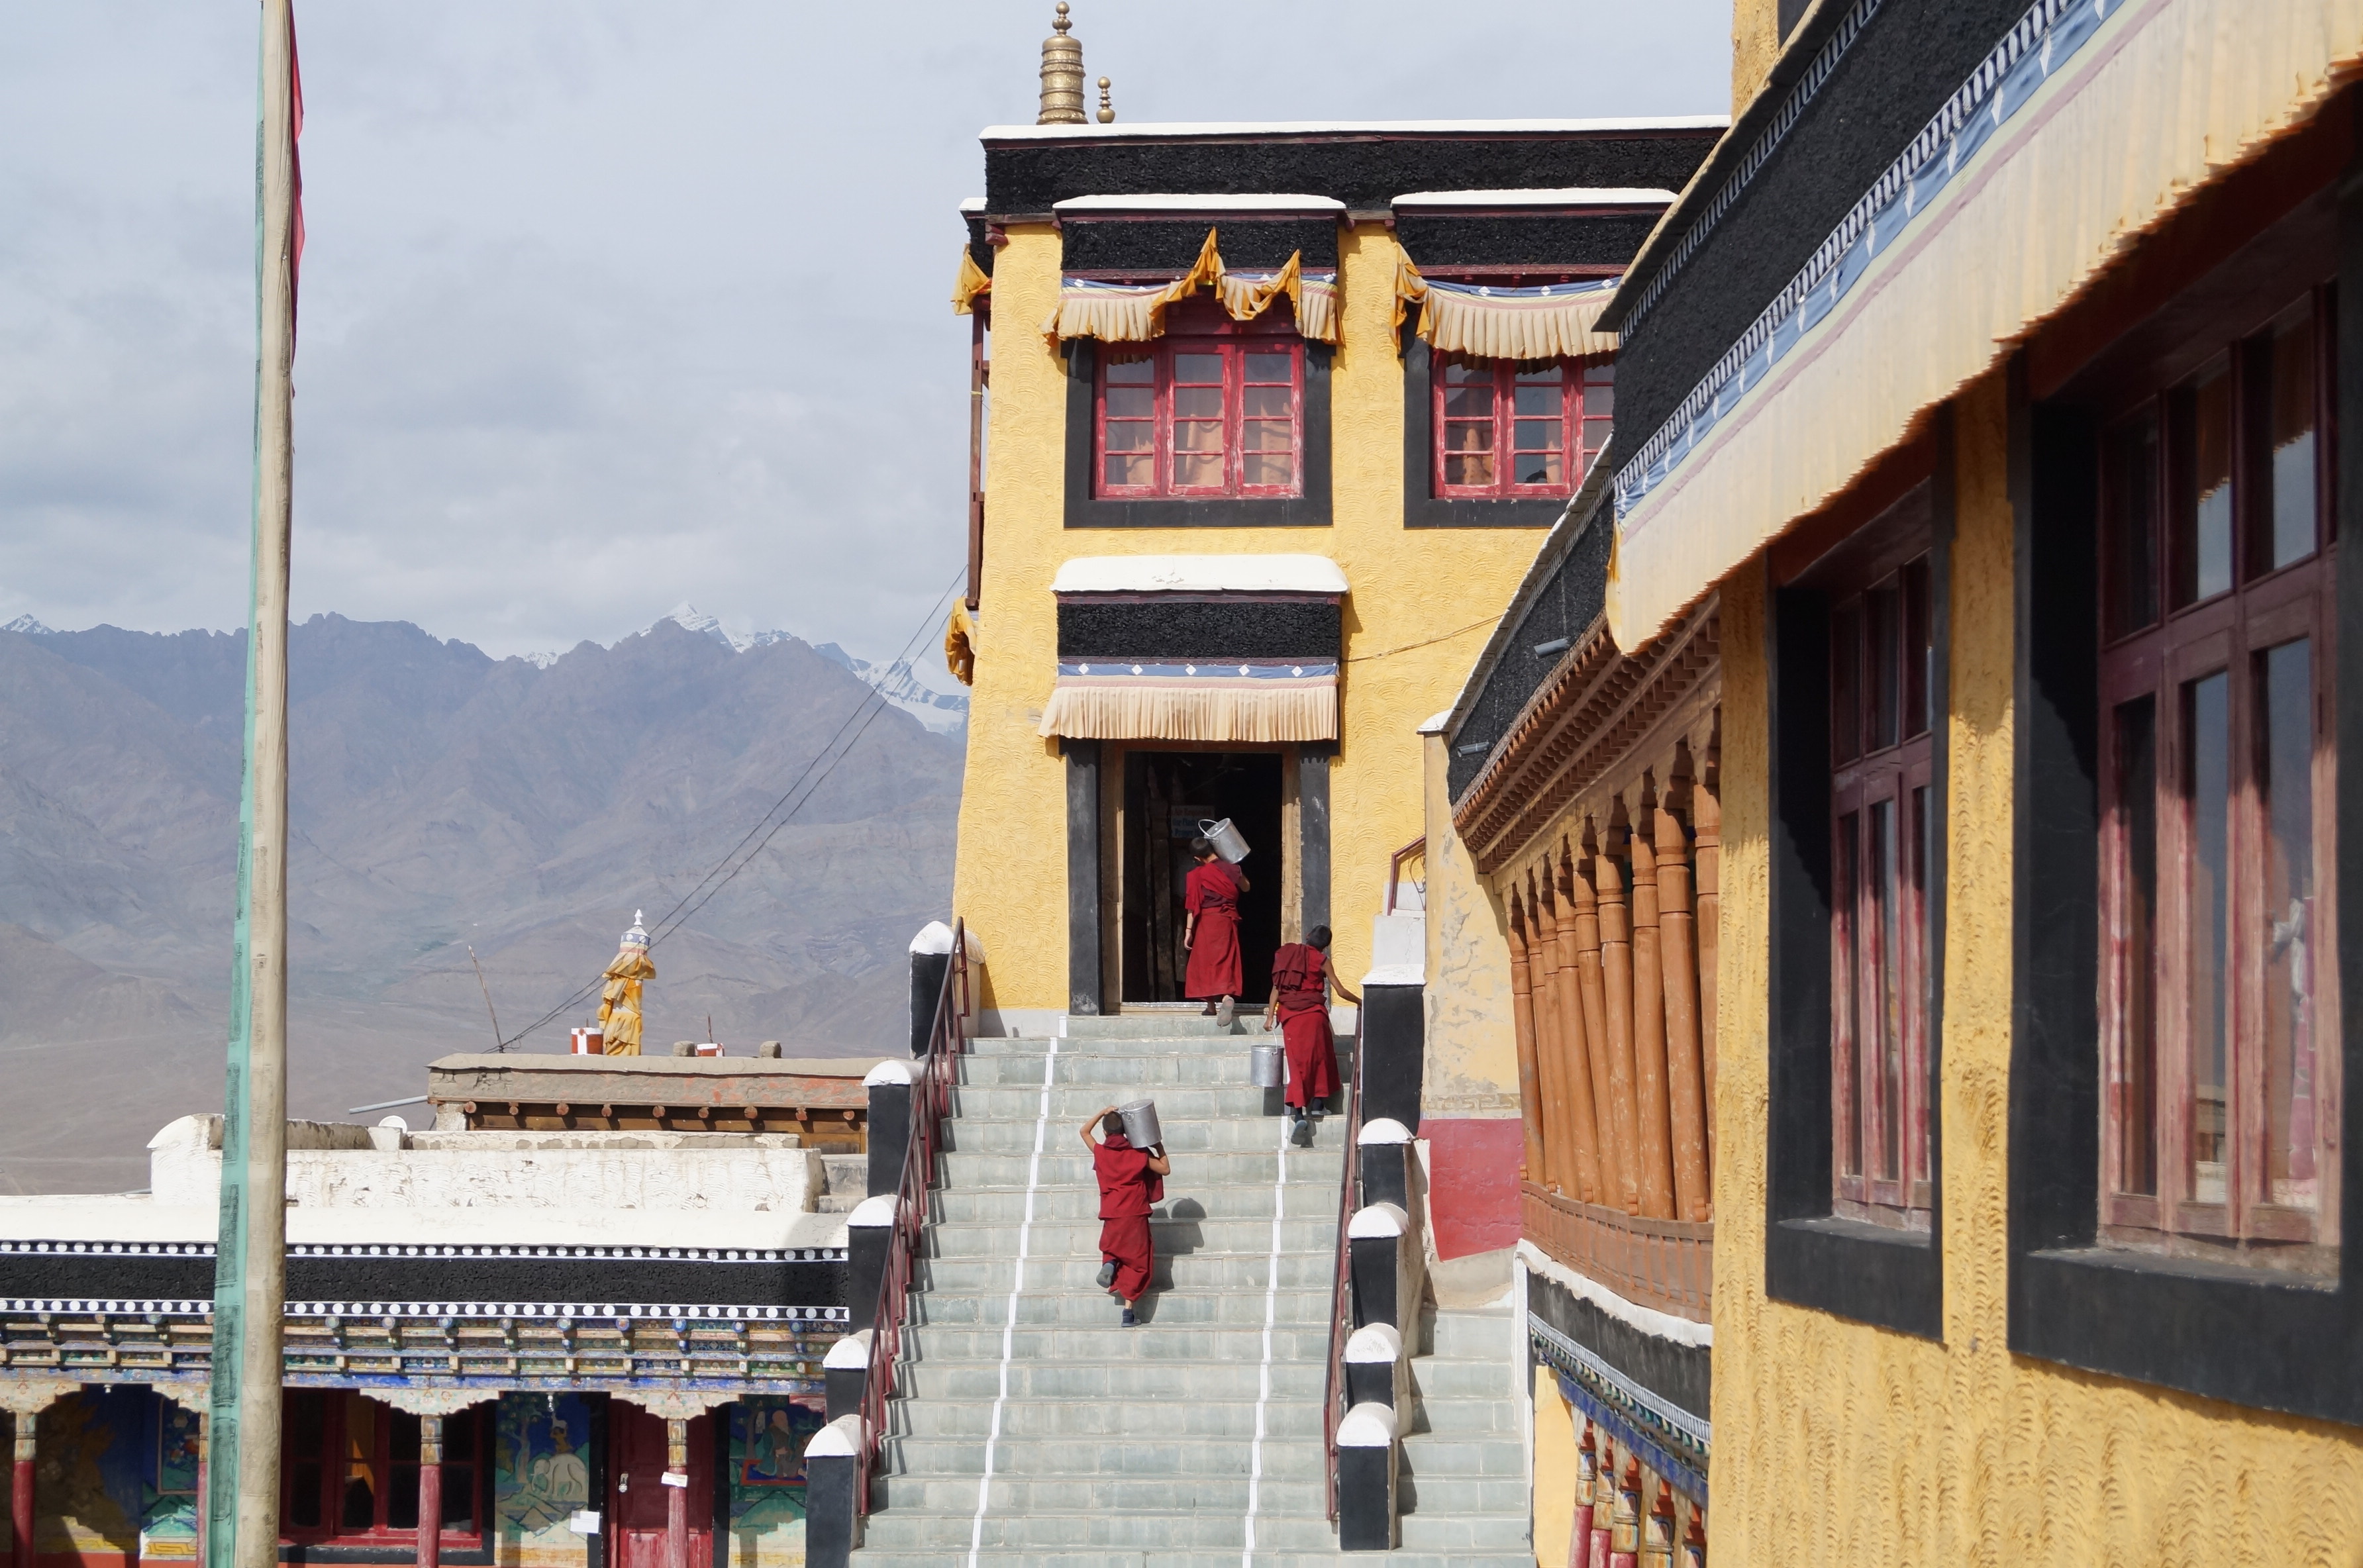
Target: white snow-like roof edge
[
  {"x": 1201, "y": 202},
  {"x": 1151, "y": 129},
  {"x": 1567, "y": 196},
  {"x": 1198, "y": 574},
  {"x": 972, "y": 203}
]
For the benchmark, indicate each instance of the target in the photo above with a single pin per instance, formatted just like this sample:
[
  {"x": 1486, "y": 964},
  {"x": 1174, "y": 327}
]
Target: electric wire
[{"x": 873, "y": 704}]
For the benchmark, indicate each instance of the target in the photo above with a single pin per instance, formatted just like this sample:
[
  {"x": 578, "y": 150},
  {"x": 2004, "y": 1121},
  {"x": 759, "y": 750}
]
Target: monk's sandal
[{"x": 1107, "y": 1274}]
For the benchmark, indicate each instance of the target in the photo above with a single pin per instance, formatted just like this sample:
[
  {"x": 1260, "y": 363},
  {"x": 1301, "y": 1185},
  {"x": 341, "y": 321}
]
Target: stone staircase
[{"x": 1161, "y": 1446}]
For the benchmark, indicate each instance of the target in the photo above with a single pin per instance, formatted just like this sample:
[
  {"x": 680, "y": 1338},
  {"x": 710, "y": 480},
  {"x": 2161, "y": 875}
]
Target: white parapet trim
[{"x": 1632, "y": 1314}]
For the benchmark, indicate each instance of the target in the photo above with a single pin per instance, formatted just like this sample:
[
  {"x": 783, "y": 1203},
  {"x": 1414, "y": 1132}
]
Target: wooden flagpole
[{"x": 249, "y": 1281}]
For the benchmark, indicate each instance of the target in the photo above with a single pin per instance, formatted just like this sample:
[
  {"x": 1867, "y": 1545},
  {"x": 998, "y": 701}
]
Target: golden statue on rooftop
[{"x": 619, "y": 999}]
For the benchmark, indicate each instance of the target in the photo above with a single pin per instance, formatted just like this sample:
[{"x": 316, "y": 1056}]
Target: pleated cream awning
[
  {"x": 1129, "y": 313},
  {"x": 1557, "y": 321},
  {"x": 2090, "y": 122}
]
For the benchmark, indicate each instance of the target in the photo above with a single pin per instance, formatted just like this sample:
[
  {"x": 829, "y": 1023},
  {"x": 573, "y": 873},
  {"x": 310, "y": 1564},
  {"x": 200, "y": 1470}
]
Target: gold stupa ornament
[
  {"x": 619, "y": 997},
  {"x": 1062, "y": 75}
]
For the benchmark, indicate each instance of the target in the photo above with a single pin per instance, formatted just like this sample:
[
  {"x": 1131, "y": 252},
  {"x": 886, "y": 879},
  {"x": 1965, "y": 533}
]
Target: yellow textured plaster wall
[
  {"x": 1472, "y": 1044},
  {"x": 1841, "y": 1444},
  {"x": 1429, "y": 593},
  {"x": 1755, "y": 45},
  {"x": 1555, "y": 1471}
]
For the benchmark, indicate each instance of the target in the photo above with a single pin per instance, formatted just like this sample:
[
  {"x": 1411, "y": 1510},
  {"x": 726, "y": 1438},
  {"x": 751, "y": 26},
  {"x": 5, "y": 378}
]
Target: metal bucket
[
  {"x": 1226, "y": 839},
  {"x": 1141, "y": 1123},
  {"x": 1263, "y": 1067}
]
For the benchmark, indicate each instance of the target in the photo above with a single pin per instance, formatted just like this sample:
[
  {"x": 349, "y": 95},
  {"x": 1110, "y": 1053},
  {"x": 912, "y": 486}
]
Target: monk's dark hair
[
  {"x": 1111, "y": 1125},
  {"x": 1318, "y": 938},
  {"x": 1201, "y": 847}
]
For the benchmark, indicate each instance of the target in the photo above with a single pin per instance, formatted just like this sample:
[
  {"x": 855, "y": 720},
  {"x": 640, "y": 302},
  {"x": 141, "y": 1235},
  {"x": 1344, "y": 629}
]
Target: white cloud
[{"x": 605, "y": 306}]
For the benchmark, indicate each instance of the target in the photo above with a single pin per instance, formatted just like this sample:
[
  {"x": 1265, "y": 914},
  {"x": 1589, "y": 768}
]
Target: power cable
[{"x": 873, "y": 704}]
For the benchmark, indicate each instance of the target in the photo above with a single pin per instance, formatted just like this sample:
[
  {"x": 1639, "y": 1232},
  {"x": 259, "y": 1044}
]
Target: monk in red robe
[
  {"x": 1131, "y": 1181},
  {"x": 1211, "y": 895},
  {"x": 1301, "y": 983}
]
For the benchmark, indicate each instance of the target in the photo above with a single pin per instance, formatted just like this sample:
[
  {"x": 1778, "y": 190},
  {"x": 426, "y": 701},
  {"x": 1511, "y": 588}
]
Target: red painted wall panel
[{"x": 1472, "y": 1181}]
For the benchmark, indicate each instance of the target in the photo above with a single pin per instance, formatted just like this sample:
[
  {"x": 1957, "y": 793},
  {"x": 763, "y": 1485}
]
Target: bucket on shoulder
[
  {"x": 1226, "y": 839},
  {"x": 1141, "y": 1123}
]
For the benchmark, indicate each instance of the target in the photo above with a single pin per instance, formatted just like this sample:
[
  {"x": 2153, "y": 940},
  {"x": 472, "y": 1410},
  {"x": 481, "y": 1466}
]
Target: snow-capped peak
[{"x": 28, "y": 627}]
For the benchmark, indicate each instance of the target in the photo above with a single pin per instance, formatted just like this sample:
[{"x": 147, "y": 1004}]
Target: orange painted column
[
  {"x": 1625, "y": 1526},
  {"x": 1603, "y": 1503},
  {"x": 1521, "y": 1012},
  {"x": 1649, "y": 1025},
  {"x": 1582, "y": 1113},
  {"x": 430, "y": 1491},
  {"x": 1542, "y": 956},
  {"x": 20, "y": 1491},
  {"x": 1707, "y": 819},
  {"x": 677, "y": 1497},
  {"x": 1677, "y": 951},
  {"x": 1616, "y": 980},
  {"x": 1615, "y": 1159}
]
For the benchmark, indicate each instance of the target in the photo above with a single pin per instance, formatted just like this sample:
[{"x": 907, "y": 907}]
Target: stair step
[
  {"x": 1264, "y": 1131},
  {"x": 1192, "y": 1341},
  {"x": 1171, "y": 1238},
  {"x": 1145, "y": 1382},
  {"x": 1198, "y": 1271},
  {"x": 1126, "y": 1419},
  {"x": 1185, "y": 1200},
  {"x": 1070, "y": 1103},
  {"x": 1092, "y": 1307},
  {"x": 918, "y": 1498},
  {"x": 1101, "y": 1557},
  {"x": 967, "y": 1170}
]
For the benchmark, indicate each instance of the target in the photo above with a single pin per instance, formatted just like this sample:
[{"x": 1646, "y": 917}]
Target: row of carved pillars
[
  {"x": 24, "y": 1401},
  {"x": 1613, "y": 931}
]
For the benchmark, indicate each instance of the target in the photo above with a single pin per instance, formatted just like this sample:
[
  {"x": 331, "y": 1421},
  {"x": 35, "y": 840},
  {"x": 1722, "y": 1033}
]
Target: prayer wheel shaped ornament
[
  {"x": 1062, "y": 75},
  {"x": 619, "y": 994}
]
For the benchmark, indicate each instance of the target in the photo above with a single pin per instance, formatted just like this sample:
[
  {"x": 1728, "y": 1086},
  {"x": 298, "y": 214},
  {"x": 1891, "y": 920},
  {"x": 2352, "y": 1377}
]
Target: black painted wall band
[
  {"x": 1084, "y": 981},
  {"x": 1213, "y": 627}
]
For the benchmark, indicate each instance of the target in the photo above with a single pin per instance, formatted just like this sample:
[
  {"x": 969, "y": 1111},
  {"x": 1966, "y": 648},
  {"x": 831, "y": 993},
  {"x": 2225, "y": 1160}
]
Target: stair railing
[
  {"x": 931, "y": 1096},
  {"x": 1341, "y": 1292}
]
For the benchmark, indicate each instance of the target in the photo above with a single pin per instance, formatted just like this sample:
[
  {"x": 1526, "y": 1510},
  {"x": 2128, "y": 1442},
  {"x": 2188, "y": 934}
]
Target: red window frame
[
  {"x": 1885, "y": 819},
  {"x": 2212, "y": 571},
  {"x": 335, "y": 1437},
  {"x": 1586, "y": 393},
  {"x": 1168, "y": 420}
]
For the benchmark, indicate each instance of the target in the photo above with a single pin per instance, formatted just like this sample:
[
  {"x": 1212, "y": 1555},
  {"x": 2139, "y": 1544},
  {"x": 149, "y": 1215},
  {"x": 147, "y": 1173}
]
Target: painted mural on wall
[
  {"x": 90, "y": 1480},
  {"x": 169, "y": 1528},
  {"x": 541, "y": 1478},
  {"x": 768, "y": 1436}
]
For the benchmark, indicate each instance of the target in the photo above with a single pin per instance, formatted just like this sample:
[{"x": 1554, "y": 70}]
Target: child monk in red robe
[
  {"x": 1211, "y": 895},
  {"x": 1301, "y": 982},
  {"x": 1130, "y": 1180}
]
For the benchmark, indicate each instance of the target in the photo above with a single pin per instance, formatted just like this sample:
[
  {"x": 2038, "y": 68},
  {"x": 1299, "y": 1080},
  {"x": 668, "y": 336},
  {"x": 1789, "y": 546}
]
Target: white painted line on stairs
[
  {"x": 1271, "y": 1306},
  {"x": 1017, "y": 1284}
]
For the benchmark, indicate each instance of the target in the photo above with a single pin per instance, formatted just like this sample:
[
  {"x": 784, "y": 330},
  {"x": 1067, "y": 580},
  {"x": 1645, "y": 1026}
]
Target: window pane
[
  {"x": 1268, "y": 469},
  {"x": 1845, "y": 659},
  {"x": 304, "y": 1495},
  {"x": 1461, "y": 435},
  {"x": 1887, "y": 980},
  {"x": 402, "y": 1437},
  {"x": 1198, "y": 368},
  {"x": 1599, "y": 392},
  {"x": 358, "y": 1508},
  {"x": 2129, "y": 522},
  {"x": 1539, "y": 467},
  {"x": 2202, "y": 502},
  {"x": 2291, "y": 416},
  {"x": 1130, "y": 436},
  {"x": 1845, "y": 996},
  {"x": 307, "y": 1423},
  {"x": 1265, "y": 402},
  {"x": 1469, "y": 402},
  {"x": 1265, "y": 435},
  {"x": 1923, "y": 856},
  {"x": 1884, "y": 686},
  {"x": 1130, "y": 471},
  {"x": 1132, "y": 402},
  {"x": 2207, "y": 787},
  {"x": 1136, "y": 370},
  {"x": 1539, "y": 401},
  {"x": 459, "y": 1495},
  {"x": 1919, "y": 652},
  {"x": 1197, "y": 402},
  {"x": 1460, "y": 370},
  {"x": 1280, "y": 367},
  {"x": 2131, "y": 941},
  {"x": 459, "y": 1439},
  {"x": 402, "y": 1497},
  {"x": 2285, "y": 726},
  {"x": 1473, "y": 469}
]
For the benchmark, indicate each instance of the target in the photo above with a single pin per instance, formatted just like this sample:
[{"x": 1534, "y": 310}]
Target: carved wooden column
[
  {"x": 1522, "y": 1013},
  {"x": 20, "y": 1489},
  {"x": 430, "y": 1491},
  {"x": 1613, "y": 1079},
  {"x": 1707, "y": 818},
  {"x": 1583, "y": 1110},
  {"x": 1650, "y": 1021},
  {"x": 1616, "y": 980},
  {"x": 1550, "y": 1035},
  {"x": 1678, "y": 949}
]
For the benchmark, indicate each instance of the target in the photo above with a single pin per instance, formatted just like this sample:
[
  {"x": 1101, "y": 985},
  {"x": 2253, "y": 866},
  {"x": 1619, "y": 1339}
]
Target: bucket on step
[
  {"x": 1141, "y": 1123},
  {"x": 1227, "y": 840},
  {"x": 1263, "y": 1067}
]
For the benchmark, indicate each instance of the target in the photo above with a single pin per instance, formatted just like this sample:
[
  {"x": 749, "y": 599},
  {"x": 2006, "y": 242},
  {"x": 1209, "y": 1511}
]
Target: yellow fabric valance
[
  {"x": 1118, "y": 313},
  {"x": 1084, "y": 708},
  {"x": 960, "y": 643},
  {"x": 2107, "y": 124},
  {"x": 1558, "y": 321},
  {"x": 970, "y": 282}
]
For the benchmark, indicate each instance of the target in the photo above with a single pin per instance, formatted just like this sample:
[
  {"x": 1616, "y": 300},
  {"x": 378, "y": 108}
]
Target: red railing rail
[
  {"x": 1341, "y": 1289},
  {"x": 931, "y": 1096}
]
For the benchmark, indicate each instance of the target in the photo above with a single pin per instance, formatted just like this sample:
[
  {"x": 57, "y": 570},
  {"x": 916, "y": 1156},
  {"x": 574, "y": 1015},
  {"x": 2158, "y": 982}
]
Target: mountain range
[{"x": 442, "y": 801}]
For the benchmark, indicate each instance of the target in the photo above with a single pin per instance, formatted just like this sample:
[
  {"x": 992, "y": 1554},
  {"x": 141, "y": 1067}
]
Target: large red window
[
  {"x": 1201, "y": 416},
  {"x": 2218, "y": 994},
  {"x": 1885, "y": 818},
  {"x": 1518, "y": 427},
  {"x": 351, "y": 1468}
]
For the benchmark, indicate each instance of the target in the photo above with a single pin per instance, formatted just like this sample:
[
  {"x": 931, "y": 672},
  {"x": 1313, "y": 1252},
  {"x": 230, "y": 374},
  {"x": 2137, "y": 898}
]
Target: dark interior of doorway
[{"x": 1166, "y": 795}]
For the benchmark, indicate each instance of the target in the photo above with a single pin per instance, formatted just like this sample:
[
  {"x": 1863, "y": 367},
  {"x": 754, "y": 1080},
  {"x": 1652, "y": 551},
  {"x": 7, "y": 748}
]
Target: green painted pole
[{"x": 250, "y": 1279}]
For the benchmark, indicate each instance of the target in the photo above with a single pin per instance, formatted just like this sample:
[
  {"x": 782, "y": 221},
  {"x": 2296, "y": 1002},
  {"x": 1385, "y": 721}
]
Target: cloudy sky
[{"x": 605, "y": 306}]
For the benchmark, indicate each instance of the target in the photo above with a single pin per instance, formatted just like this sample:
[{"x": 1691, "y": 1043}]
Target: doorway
[
  {"x": 1167, "y": 794},
  {"x": 637, "y": 1447}
]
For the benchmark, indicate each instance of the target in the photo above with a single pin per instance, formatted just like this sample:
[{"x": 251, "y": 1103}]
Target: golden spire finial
[
  {"x": 1107, "y": 109},
  {"x": 1062, "y": 75}
]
